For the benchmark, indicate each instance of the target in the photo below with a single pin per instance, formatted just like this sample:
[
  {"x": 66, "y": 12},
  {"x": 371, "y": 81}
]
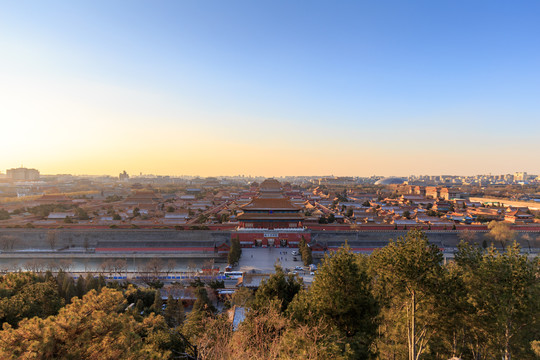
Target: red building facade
[
  {"x": 271, "y": 219},
  {"x": 270, "y": 209}
]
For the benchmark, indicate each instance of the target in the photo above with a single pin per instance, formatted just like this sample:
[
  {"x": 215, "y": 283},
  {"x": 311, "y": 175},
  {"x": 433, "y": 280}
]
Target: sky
[{"x": 270, "y": 88}]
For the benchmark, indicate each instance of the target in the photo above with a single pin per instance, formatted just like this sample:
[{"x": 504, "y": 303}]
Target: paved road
[{"x": 264, "y": 259}]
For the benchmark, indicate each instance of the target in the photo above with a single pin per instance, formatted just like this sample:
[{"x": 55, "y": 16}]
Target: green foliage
[
  {"x": 305, "y": 252},
  {"x": 279, "y": 287},
  {"x": 133, "y": 294},
  {"x": 400, "y": 303},
  {"x": 113, "y": 198},
  {"x": 197, "y": 283},
  {"x": 342, "y": 197},
  {"x": 68, "y": 290},
  {"x": 202, "y": 302},
  {"x": 202, "y": 309},
  {"x": 408, "y": 273},
  {"x": 45, "y": 209},
  {"x": 80, "y": 287},
  {"x": 81, "y": 214},
  {"x": 217, "y": 284},
  {"x": 504, "y": 291},
  {"x": 235, "y": 251},
  {"x": 202, "y": 219},
  {"x": 174, "y": 312},
  {"x": 341, "y": 297},
  {"x": 91, "y": 328},
  {"x": 158, "y": 302},
  {"x": 25, "y": 295},
  {"x": 4, "y": 215},
  {"x": 243, "y": 297},
  {"x": 433, "y": 213}
]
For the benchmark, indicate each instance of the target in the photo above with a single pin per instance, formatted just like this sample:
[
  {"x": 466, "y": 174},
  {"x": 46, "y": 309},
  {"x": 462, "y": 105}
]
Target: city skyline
[
  {"x": 518, "y": 174},
  {"x": 270, "y": 89}
]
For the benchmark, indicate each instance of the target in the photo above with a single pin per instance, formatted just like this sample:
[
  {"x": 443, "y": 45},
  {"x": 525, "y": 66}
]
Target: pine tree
[
  {"x": 80, "y": 287},
  {"x": 307, "y": 258},
  {"x": 158, "y": 302},
  {"x": 68, "y": 289},
  {"x": 235, "y": 251},
  {"x": 505, "y": 292},
  {"x": 91, "y": 283},
  {"x": 203, "y": 309},
  {"x": 408, "y": 274},
  {"x": 279, "y": 287},
  {"x": 101, "y": 282},
  {"x": 139, "y": 305},
  {"x": 174, "y": 312},
  {"x": 340, "y": 296}
]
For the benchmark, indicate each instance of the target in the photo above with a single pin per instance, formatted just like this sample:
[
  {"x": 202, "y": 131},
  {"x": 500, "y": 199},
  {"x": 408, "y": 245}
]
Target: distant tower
[{"x": 123, "y": 176}]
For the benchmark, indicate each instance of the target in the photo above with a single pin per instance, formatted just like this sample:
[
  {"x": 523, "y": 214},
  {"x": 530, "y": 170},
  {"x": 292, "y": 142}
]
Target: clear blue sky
[{"x": 270, "y": 87}]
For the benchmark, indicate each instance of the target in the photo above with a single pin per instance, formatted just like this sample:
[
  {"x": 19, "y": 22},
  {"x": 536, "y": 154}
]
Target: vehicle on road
[
  {"x": 295, "y": 258},
  {"x": 233, "y": 274}
]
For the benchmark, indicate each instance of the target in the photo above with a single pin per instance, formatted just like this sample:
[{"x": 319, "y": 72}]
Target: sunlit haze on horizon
[{"x": 270, "y": 88}]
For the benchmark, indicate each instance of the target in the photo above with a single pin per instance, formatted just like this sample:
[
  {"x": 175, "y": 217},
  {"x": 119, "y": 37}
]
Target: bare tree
[
  {"x": 52, "y": 266},
  {"x": 65, "y": 264},
  {"x": 52, "y": 237},
  {"x": 191, "y": 266},
  {"x": 7, "y": 242},
  {"x": 209, "y": 263},
  {"x": 34, "y": 265},
  {"x": 14, "y": 267},
  {"x": 107, "y": 267},
  {"x": 467, "y": 236},
  {"x": 151, "y": 271},
  {"x": 501, "y": 232},
  {"x": 120, "y": 266},
  {"x": 171, "y": 265},
  {"x": 155, "y": 266},
  {"x": 4, "y": 269}
]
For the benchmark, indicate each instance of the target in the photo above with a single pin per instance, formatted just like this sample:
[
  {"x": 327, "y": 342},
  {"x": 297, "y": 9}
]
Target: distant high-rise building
[
  {"x": 123, "y": 176},
  {"x": 23, "y": 174},
  {"x": 520, "y": 176}
]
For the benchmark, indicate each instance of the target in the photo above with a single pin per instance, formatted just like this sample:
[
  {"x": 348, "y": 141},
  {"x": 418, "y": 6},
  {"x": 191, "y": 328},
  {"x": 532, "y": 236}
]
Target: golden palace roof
[{"x": 261, "y": 203}]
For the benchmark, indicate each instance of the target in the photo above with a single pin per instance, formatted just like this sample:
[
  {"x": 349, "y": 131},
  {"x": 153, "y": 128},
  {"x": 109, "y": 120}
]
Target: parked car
[{"x": 295, "y": 258}]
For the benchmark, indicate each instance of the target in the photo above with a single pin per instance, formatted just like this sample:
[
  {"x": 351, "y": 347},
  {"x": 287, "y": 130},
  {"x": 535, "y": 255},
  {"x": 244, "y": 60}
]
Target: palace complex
[
  {"x": 271, "y": 209},
  {"x": 270, "y": 218}
]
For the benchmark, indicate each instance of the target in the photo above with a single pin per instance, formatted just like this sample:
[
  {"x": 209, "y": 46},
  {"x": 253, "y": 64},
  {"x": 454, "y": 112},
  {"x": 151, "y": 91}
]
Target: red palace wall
[
  {"x": 251, "y": 239},
  {"x": 269, "y": 225}
]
